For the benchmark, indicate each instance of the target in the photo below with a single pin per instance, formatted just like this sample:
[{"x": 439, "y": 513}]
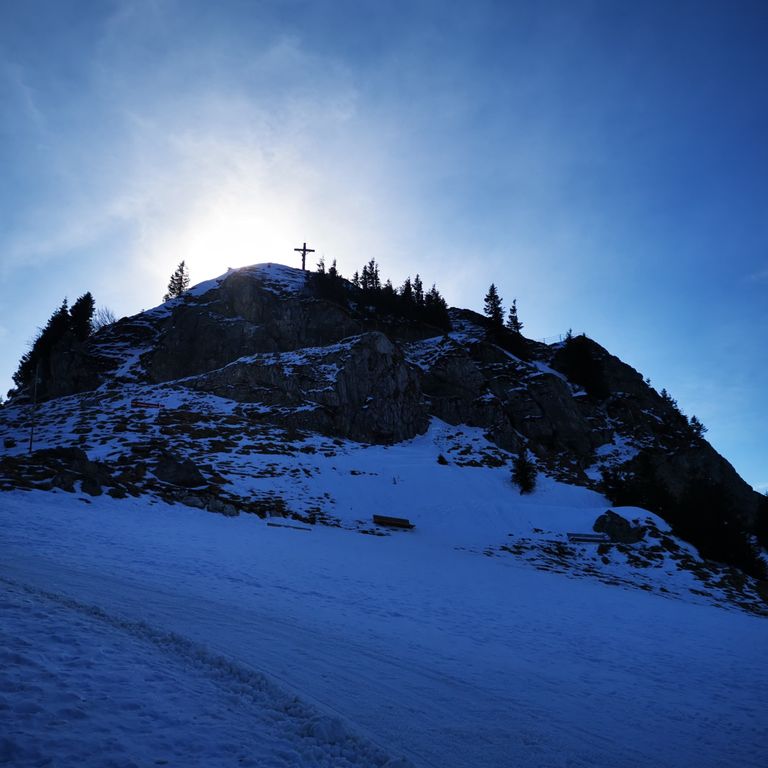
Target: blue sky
[{"x": 603, "y": 162}]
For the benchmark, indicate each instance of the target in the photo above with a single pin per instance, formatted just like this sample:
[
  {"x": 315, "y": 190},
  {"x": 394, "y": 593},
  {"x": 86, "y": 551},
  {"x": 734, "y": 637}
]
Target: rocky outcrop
[
  {"x": 243, "y": 318},
  {"x": 326, "y": 361},
  {"x": 361, "y": 388},
  {"x": 63, "y": 467},
  {"x": 176, "y": 471},
  {"x": 618, "y": 528}
]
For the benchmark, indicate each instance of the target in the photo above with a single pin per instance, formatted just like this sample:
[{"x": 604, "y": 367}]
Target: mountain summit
[{"x": 256, "y": 361}]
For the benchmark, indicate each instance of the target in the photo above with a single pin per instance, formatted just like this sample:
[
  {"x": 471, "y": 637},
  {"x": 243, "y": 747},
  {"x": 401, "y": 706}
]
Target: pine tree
[
  {"x": 513, "y": 322},
  {"x": 369, "y": 278},
  {"x": 669, "y": 400},
  {"x": 418, "y": 291},
  {"x": 436, "y": 309},
  {"x": 81, "y": 316},
  {"x": 524, "y": 472},
  {"x": 178, "y": 283},
  {"x": 321, "y": 266},
  {"x": 407, "y": 290},
  {"x": 55, "y": 329},
  {"x": 696, "y": 426},
  {"x": 493, "y": 307}
]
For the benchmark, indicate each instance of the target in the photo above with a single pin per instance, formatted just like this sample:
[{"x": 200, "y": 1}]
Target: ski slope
[{"x": 138, "y": 633}]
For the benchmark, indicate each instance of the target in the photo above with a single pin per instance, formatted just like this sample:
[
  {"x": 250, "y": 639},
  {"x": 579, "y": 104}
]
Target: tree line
[
  {"x": 75, "y": 323},
  {"x": 410, "y": 301}
]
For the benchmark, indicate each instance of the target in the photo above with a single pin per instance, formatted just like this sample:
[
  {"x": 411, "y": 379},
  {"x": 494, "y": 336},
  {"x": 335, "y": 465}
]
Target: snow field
[
  {"x": 449, "y": 658},
  {"x": 79, "y": 687}
]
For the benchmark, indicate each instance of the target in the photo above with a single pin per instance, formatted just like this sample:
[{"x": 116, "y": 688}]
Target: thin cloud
[{"x": 24, "y": 96}]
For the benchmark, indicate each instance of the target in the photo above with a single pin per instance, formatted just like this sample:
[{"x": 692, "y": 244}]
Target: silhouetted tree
[
  {"x": 407, "y": 291},
  {"x": 668, "y": 399},
  {"x": 381, "y": 299},
  {"x": 102, "y": 317},
  {"x": 493, "y": 308},
  {"x": 436, "y": 309},
  {"x": 39, "y": 353},
  {"x": 524, "y": 472},
  {"x": 369, "y": 277},
  {"x": 178, "y": 283},
  {"x": 329, "y": 284},
  {"x": 81, "y": 317},
  {"x": 696, "y": 426},
  {"x": 418, "y": 291},
  {"x": 513, "y": 322}
]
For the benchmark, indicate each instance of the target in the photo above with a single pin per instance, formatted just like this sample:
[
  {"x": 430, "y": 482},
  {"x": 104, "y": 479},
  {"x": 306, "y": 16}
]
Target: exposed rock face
[
  {"x": 360, "y": 388},
  {"x": 244, "y": 316},
  {"x": 266, "y": 335},
  {"x": 676, "y": 470}
]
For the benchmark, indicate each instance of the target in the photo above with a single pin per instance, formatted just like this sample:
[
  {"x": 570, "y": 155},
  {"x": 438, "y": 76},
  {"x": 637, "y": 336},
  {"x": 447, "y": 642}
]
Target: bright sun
[{"x": 227, "y": 233}]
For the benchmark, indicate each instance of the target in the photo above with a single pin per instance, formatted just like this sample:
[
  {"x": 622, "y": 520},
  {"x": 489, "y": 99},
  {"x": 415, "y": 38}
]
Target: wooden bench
[
  {"x": 143, "y": 404},
  {"x": 392, "y": 522},
  {"x": 289, "y": 525},
  {"x": 589, "y": 538}
]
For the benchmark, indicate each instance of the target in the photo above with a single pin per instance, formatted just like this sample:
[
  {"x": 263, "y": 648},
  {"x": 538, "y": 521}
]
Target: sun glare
[{"x": 225, "y": 234}]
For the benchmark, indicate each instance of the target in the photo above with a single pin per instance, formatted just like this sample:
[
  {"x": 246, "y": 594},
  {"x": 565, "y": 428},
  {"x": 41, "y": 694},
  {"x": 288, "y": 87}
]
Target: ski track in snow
[
  {"x": 73, "y": 691},
  {"x": 397, "y": 646}
]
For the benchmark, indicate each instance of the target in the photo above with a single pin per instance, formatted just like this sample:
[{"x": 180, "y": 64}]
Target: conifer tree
[
  {"x": 524, "y": 472},
  {"x": 178, "y": 283},
  {"x": 493, "y": 307},
  {"x": 436, "y": 308},
  {"x": 513, "y": 322},
  {"x": 696, "y": 426},
  {"x": 55, "y": 329},
  {"x": 369, "y": 278},
  {"x": 81, "y": 316},
  {"x": 669, "y": 400},
  {"x": 407, "y": 290},
  {"x": 418, "y": 291}
]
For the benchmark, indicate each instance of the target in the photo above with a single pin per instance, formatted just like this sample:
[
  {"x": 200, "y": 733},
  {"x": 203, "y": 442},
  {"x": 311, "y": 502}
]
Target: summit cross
[{"x": 304, "y": 251}]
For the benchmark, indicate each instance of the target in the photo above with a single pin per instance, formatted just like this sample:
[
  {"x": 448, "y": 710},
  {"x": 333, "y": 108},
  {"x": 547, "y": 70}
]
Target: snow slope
[
  {"x": 81, "y": 687},
  {"x": 400, "y": 645}
]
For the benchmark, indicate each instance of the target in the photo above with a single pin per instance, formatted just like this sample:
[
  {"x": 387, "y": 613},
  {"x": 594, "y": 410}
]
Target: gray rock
[
  {"x": 91, "y": 486},
  {"x": 182, "y": 472},
  {"x": 191, "y": 500},
  {"x": 222, "y": 507},
  {"x": 618, "y": 528},
  {"x": 360, "y": 388}
]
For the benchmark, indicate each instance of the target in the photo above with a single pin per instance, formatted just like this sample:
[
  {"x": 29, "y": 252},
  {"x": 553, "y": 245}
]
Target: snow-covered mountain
[
  {"x": 487, "y": 634},
  {"x": 261, "y": 376}
]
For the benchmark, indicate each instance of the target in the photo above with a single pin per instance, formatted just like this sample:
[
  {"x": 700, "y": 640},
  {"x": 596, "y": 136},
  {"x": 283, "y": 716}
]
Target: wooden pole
[{"x": 34, "y": 407}]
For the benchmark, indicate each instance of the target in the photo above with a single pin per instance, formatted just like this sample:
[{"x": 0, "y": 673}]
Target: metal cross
[{"x": 304, "y": 251}]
